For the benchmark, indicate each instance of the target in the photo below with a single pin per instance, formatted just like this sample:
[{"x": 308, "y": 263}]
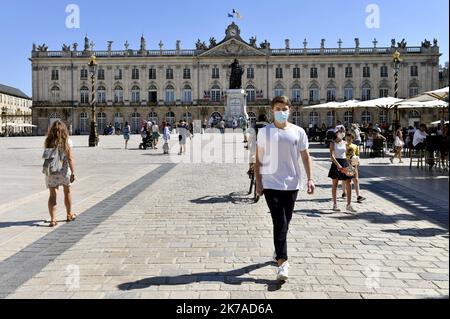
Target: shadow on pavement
[
  {"x": 228, "y": 277},
  {"x": 418, "y": 232},
  {"x": 234, "y": 198},
  {"x": 28, "y": 223}
]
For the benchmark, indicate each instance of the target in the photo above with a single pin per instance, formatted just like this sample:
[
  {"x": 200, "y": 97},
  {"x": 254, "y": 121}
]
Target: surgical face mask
[{"x": 281, "y": 117}]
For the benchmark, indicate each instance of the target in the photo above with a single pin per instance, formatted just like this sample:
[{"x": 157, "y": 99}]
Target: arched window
[
  {"x": 187, "y": 94},
  {"x": 348, "y": 117},
  {"x": 251, "y": 93},
  {"x": 366, "y": 92},
  {"x": 366, "y": 117},
  {"x": 170, "y": 94},
  {"x": 383, "y": 117},
  {"x": 153, "y": 94},
  {"x": 84, "y": 95},
  {"x": 135, "y": 94},
  {"x": 331, "y": 93},
  {"x": 135, "y": 122},
  {"x": 101, "y": 94},
  {"x": 118, "y": 94},
  {"x": 153, "y": 117},
  {"x": 414, "y": 114},
  {"x": 314, "y": 118},
  {"x": 252, "y": 118},
  {"x": 215, "y": 94},
  {"x": 279, "y": 90},
  {"x": 331, "y": 118},
  {"x": 314, "y": 96},
  {"x": 84, "y": 123},
  {"x": 170, "y": 118},
  {"x": 348, "y": 92},
  {"x": 297, "y": 118},
  {"x": 413, "y": 90},
  {"x": 55, "y": 94},
  {"x": 296, "y": 94},
  {"x": 187, "y": 117},
  {"x": 101, "y": 122},
  {"x": 118, "y": 121}
]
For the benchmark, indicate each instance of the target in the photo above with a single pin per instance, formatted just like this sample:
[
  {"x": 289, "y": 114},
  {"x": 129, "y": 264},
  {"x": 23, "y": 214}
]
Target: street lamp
[
  {"x": 396, "y": 63},
  {"x": 93, "y": 135}
]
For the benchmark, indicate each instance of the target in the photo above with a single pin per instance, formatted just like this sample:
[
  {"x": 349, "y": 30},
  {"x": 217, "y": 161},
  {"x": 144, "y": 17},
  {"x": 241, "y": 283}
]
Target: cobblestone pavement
[{"x": 150, "y": 226}]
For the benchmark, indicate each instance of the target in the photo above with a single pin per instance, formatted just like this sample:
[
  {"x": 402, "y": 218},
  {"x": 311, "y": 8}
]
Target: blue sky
[{"x": 26, "y": 21}]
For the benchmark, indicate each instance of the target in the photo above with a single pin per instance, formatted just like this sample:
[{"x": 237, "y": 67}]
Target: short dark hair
[{"x": 282, "y": 100}]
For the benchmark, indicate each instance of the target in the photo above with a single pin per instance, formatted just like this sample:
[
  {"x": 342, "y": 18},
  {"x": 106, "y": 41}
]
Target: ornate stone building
[
  {"x": 171, "y": 84},
  {"x": 15, "y": 108}
]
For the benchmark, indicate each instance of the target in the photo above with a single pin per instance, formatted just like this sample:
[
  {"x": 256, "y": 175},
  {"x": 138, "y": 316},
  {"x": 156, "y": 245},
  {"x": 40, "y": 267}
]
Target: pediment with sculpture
[{"x": 233, "y": 47}]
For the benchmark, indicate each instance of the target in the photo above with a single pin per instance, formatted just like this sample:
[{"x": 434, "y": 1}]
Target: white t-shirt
[
  {"x": 280, "y": 169},
  {"x": 419, "y": 137},
  {"x": 155, "y": 128}
]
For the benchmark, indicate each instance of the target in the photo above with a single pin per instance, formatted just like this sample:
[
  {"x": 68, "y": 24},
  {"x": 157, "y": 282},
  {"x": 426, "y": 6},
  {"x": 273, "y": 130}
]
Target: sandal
[
  {"x": 53, "y": 223},
  {"x": 71, "y": 218}
]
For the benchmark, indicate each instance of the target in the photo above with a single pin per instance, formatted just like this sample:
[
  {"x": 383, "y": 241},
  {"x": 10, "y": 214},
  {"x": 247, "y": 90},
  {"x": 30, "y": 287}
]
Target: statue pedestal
[{"x": 236, "y": 106}]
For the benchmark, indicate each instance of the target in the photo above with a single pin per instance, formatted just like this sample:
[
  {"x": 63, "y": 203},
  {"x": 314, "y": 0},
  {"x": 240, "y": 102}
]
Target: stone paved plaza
[{"x": 152, "y": 226}]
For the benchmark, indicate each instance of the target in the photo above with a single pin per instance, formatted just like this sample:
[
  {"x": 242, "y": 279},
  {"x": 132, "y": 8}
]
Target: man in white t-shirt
[
  {"x": 420, "y": 136},
  {"x": 280, "y": 146}
]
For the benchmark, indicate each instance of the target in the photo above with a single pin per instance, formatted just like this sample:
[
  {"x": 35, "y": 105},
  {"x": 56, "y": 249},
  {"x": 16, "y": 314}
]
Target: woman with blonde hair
[{"x": 59, "y": 143}]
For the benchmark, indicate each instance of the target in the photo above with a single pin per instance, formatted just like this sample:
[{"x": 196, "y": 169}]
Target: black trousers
[{"x": 281, "y": 205}]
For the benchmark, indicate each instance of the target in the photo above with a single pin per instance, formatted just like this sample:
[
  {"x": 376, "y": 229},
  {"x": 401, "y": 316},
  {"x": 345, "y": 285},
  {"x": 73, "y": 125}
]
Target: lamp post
[
  {"x": 396, "y": 64},
  {"x": 93, "y": 135}
]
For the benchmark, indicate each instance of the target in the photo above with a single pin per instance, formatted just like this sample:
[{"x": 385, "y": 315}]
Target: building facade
[
  {"x": 15, "y": 107},
  {"x": 169, "y": 85}
]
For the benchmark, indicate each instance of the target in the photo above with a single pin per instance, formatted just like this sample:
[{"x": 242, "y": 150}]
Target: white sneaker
[
  {"x": 283, "y": 272},
  {"x": 350, "y": 209},
  {"x": 336, "y": 209}
]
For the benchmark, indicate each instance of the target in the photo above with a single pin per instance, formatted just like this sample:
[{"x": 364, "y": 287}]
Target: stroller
[{"x": 147, "y": 142}]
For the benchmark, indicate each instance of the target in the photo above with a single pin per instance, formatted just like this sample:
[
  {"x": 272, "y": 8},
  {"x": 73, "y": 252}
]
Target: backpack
[{"x": 53, "y": 161}]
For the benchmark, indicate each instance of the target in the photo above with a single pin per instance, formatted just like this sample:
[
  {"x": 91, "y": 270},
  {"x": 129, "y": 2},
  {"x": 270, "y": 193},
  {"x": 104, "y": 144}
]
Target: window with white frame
[
  {"x": 366, "y": 72},
  {"x": 348, "y": 72},
  {"x": 100, "y": 74},
  {"x": 279, "y": 73},
  {"x": 101, "y": 121},
  {"x": 170, "y": 94},
  {"x": 215, "y": 73},
  {"x": 118, "y": 94},
  {"x": 414, "y": 70},
  {"x": 55, "y": 94},
  {"x": 252, "y": 119},
  {"x": 296, "y": 73},
  {"x": 135, "y": 94},
  {"x": 152, "y": 74},
  {"x": 118, "y": 74},
  {"x": 84, "y": 95},
  {"x": 314, "y": 94},
  {"x": 215, "y": 93},
  {"x": 348, "y": 93},
  {"x": 384, "y": 92},
  {"x": 187, "y": 94},
  {"x": 170, "y": 118},
  {"x": 251, "y": 93},
  {"x": 366, "y": 117},
  {"x": 279, "y": 90},
  {"x": 135, "y": 122},
  {"x": 413, "y": 91},
  {"x": 296, "y": 94},
  {"x": 331, "y": 72},
  {"x": 331, "y": 94},
  {"x": 101, "y": 94},
  {"x": 135, "y": 74},
  {"x": 384, "y": 71},
  {"x": 331, "y": 118},
  {"x": 55, "y": 75},
  {"x": 153, "y": 117},
  {"x": 348, "y": 117},
  {"x": 297, "y": 118},
  {"x": 84, "y": 74},
  {"x": 186, "y": 73},
  {"x": 366, "y": 93},
  {"x": 250, "y": 72},
  {"x": 313, "y": 73},
  {"x": 84, "y": 123},
  {"x": 169, "y": 74},
  {"x": 314, "y": 118},
  {"x": 187, "y": 116},
  {"x": 383, "y": 117}
]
